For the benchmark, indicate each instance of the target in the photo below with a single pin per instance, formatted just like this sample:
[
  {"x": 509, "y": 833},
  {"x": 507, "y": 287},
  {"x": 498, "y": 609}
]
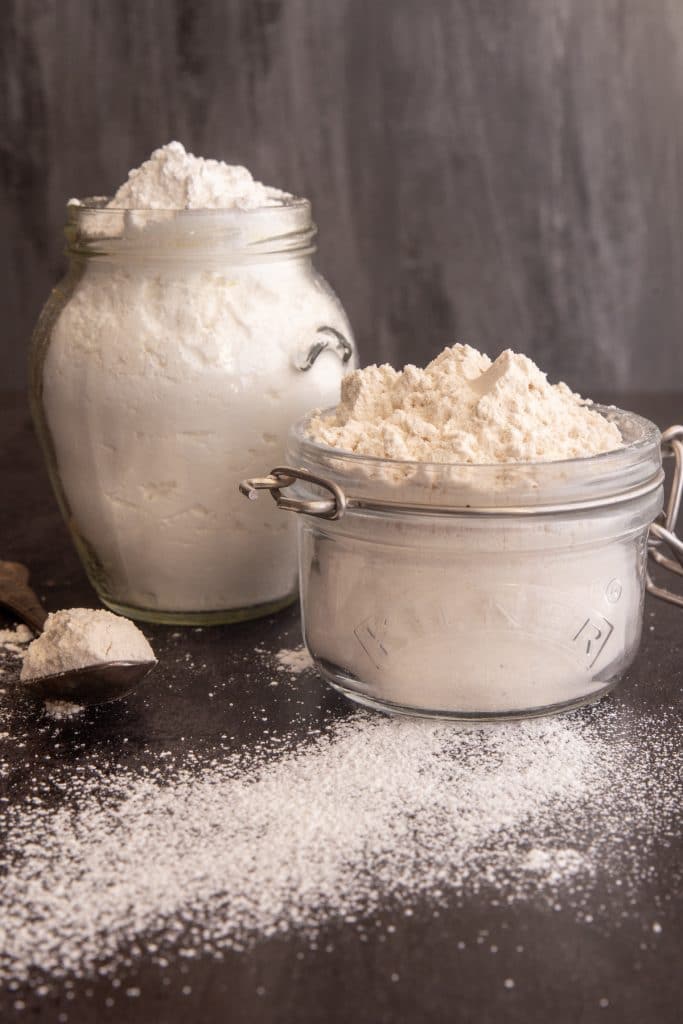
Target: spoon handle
[{"x": 16, "y": 595}]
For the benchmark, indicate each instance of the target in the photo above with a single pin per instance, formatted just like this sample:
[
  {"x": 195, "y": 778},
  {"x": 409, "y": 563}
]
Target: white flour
[
  {"x": 295, "y": 660},
  {"x": 455, "y": 617},
  {"x": 463, "y": 408},
  {"x": 62, "y": 710},
  {"x": 173, "y": 179},
  {"x": 176, "y": 359},
  {"x": 362, "y": 823},
  {"x": 14, "y": 639},
  {"x": 78, "y": 637}
]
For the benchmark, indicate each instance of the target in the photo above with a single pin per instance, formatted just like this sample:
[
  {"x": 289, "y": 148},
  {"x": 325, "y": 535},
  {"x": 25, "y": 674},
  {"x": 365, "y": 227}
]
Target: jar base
[
  {"x": 388, "y": 708},
  {"x": 201, "y": 618}
]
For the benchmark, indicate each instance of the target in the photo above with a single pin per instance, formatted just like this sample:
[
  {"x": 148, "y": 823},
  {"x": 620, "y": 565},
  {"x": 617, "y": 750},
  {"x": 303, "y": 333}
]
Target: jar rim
[
  {"x": 279, "y": 230},
  {"x": 587, "y": 479},
  {"x": 100, "y": 204}
]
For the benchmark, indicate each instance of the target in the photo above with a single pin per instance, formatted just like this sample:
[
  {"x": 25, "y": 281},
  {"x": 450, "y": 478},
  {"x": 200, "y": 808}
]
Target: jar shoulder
[{"x": 214, "y": 316}]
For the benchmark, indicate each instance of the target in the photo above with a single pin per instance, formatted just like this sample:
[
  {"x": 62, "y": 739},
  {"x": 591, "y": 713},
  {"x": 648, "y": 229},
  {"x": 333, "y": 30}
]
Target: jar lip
[
  {"x": 99, "y": 204},
  {"x": 266, "y": 232},
  {"x": 592, "y": 478}
]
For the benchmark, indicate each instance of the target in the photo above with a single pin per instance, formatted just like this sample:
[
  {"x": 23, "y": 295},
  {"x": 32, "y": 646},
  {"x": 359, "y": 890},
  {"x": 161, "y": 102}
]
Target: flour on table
[
  {"x": 556, "y": 864},
  {"x": 464, "y": 408},
  {"x": 61, "y": 710},
  {"x": 294, "y": 661},
  {"x": 14, "y": 639},
  {"x": 360, "y": 823}
]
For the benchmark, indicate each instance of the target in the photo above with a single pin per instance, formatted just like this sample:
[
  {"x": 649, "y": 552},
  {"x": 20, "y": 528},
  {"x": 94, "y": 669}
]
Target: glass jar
[
  {"x": 180, "y": 347},
  {"x": 470, "y": 591}
]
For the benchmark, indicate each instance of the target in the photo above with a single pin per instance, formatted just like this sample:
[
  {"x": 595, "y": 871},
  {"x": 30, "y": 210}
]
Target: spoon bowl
[{"x": 94, "y": 684}]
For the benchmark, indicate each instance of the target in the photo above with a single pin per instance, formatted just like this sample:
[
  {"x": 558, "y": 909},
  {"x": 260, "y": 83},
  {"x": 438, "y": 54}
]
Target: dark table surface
[{"x": 568, "y": 972}]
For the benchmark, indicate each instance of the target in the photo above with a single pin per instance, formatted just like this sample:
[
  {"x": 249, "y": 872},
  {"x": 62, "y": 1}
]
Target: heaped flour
[
  {"x": 79, "y": 637},
  {"x": 173, "y": 179},
  {"x": 464, "y": 408}
]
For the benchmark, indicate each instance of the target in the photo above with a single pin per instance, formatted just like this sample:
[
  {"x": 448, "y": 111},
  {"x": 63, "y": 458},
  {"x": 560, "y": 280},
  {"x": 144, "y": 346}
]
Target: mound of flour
[
  {"x": 78, "y": 637},
  {"x": 173, "y": 179},
  {"x": 464, "y": 408}
]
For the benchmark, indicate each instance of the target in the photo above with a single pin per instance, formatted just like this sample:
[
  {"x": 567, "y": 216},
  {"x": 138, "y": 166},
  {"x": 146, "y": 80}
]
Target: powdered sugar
[
  {"x": 173, "y": 179},
  {"x": 464, "y": 408}
]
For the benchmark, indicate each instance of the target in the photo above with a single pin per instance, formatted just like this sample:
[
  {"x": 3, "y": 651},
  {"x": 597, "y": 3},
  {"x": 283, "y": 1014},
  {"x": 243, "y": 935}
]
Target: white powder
[
  {"x": 370, "y": 819},
  {"x": 177, "y": 359},
  {"x": 295, "y": 660},
  {"x": 78, "y": 637},
  {"x": 61, "y": 710},
  {"x": 458, "y": 617},
  {"x": 464, "y": 408},
  {"x": 475, "y": 615},
  {"x": 173, "y": 179},
  {"x": 14, "y": 639},
  {"x": 556, "y": 865}
]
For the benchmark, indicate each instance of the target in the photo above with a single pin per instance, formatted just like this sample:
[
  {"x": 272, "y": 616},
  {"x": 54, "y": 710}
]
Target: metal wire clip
[
  {"x": 285, "y": 476},
  {"x": 662, "y": 531},
  {"x": 328, "y": 338}
]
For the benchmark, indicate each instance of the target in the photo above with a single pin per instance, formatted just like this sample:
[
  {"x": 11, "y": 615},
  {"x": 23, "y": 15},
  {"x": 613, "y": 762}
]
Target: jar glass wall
[{"x": 179, "y": 347}]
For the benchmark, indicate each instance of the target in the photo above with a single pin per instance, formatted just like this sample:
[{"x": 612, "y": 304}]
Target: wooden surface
[
  {"x": 505, "y": 172},
  {"x": 566, "y": 969}
]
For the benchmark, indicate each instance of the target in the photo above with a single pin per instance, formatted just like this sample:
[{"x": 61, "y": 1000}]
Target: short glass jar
[
  {"x": 180, "y": 347},
  {"x": 468, "y": 591}
]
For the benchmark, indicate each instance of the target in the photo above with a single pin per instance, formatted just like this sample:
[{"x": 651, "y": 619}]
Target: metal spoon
[{"x": 94, "y": 684}]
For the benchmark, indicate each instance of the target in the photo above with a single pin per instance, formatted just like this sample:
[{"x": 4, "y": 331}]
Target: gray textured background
[{"x": 506, "y": 172}]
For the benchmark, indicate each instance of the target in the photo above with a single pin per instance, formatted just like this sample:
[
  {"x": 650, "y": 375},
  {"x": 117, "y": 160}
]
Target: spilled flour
[
  {"x": 294, "y": 661},
  {"x": 369, "y": 817},
  {"x": 59, "y": 710},
  {"x": 13, "y": 640}
]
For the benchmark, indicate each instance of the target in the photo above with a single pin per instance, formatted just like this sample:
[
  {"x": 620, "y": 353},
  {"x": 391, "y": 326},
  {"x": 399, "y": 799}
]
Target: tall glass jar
[{"x": 180, "y": 347}]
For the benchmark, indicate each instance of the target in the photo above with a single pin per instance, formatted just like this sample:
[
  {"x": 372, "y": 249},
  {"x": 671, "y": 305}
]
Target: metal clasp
[
  {"x": 285, "y": 476},
  {"x": 663, "y": 530},
  {"x": 328, "y": 338}
]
